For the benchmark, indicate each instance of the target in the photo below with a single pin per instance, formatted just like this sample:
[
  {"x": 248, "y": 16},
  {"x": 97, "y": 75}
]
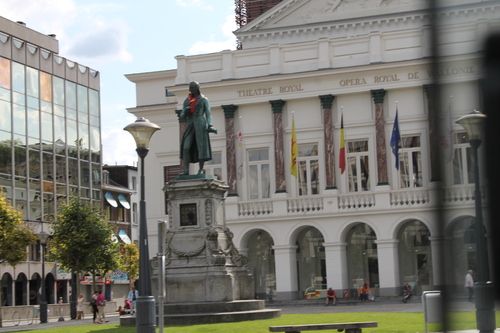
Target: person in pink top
[{"x": 101, "y": 303}]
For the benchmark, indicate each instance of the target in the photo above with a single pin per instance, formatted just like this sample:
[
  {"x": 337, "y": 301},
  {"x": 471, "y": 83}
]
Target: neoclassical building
[{"x": 327, "y": 65}]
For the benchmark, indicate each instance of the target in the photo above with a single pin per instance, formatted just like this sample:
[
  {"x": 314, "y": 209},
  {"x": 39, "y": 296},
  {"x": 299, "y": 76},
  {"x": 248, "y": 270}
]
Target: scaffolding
[{"x": 248, "y": 10}]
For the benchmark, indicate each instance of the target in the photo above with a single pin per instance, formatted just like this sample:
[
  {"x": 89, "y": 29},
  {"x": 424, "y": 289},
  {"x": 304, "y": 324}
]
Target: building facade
[
  {"x": 50, "y": 141},
  {"x": 357, "y": 67}
]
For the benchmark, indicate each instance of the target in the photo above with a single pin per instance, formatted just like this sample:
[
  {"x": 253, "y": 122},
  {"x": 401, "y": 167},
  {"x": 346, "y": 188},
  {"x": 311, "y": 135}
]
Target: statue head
[{"x": 194, "y": 88}]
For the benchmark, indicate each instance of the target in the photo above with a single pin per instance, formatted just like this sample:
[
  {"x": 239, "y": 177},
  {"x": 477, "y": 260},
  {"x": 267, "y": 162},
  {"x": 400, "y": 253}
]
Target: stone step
[
  {"x": 209, "y": 318},
  {"x": 211, "y": 307}
]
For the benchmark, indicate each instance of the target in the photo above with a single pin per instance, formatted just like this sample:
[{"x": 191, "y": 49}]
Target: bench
[{"x": 348, "y": 327}]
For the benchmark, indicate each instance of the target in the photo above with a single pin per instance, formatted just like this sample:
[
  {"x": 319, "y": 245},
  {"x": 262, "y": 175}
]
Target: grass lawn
[{"x": 387, "y": 323}]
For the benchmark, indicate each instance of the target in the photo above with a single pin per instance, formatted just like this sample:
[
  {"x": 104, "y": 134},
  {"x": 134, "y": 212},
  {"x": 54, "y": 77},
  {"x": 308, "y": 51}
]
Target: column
[
  {"x": 378, "y": 99},
  {"x": 433, "y": 131},
  {"x": 438, "y": 263},
  {"x": 182, "y": 128},
  {"x": 279, "y": 161},
  {"x": 388, "y": 266},
  {"x": 336, "y": 266},
  {"x": 229, "y": 111},
  {"x": 286, "y": 271},
  {"x": 326, "y": 104}
]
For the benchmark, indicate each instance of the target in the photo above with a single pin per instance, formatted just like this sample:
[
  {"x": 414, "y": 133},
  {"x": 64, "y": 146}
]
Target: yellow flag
[{"x": 295, "y": 152}]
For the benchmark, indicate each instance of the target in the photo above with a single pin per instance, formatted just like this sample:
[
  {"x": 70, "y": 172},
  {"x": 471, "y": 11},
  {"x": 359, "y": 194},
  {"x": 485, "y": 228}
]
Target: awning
[
  {"x": 110, "y": 199},
  {"x": 123, "y": 201},
  {"x": 123, "y": 235}
]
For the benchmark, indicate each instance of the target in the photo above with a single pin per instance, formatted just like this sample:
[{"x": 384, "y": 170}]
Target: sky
[{"x": 118, "y": 37}]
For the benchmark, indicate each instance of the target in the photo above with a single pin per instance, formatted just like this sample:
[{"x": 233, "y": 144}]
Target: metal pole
[
  {"x": 161, "y": 272},
  {"x": 483, "y": 289},
  {"x": 43, "y": 302},
  {"x": 72, "y": 301},
  {"x": 146, "y": 316}
]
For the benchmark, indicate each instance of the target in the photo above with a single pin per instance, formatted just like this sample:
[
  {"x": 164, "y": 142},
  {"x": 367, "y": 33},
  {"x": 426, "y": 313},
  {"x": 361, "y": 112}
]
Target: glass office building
[{"x": 50, "y": 141}]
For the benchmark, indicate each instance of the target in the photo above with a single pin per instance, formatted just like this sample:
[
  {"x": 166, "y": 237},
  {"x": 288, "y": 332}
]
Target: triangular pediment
[{"x": 292, "y": 13}]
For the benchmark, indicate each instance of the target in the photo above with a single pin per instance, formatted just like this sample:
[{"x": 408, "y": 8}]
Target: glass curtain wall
[
  {"x": 415, "y": 256},
  {"x": 49, "y": 140}
]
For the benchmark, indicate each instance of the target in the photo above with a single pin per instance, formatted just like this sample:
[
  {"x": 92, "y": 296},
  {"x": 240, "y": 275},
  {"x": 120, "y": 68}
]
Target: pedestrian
[
  {"x": 101, "y": 303},
  {"x": 93, "y": 304},
  {"x": 363, "y": 293},
  {"x": 407, "y": 292},
  {"x": 469, "y": 284},
  {"x": 331, "y": 295},
  {"x": 132, "y": 296},
  {"x": 80, "y": 307}
]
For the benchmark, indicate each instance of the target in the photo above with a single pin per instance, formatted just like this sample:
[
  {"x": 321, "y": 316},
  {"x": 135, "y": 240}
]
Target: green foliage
[
  {"x": 129, "y": 260},
  {"x": 14, "y": 235},
  {"x": 82, "y": 239}
]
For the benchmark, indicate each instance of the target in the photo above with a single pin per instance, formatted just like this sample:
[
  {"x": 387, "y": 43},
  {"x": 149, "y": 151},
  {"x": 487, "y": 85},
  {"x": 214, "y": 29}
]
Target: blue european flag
[{"x": 396, "y": 136}]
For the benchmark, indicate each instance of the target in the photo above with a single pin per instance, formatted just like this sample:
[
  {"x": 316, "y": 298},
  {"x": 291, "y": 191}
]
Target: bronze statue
[{"x": 195, "y": 143}]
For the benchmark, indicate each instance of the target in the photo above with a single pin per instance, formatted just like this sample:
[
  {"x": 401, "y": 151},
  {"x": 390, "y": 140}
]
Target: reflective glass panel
[
  {"x": 72, "y": 171},
  {"x": 96, "y": 175},
  {"x": 58, "y": 110},
  {"x": 33, "y": 102},
  {"x": 18, "y": 82},
  {"x": 48, "y": 166},
  {"x": 83, "y": 136},
  {"x": 32, "y": 87},
  {"x": 19, "y": 119},
  {"x": 70, "y": 95},
  {"x": 34, "y": 157},
  {"x": 83, "y": 103},
  {"x": 72, "y": 137},
  {"x": 95, "y": 142},
  {"x": 5, "y": 94},
  {"x": 46, "y": 87},
  {"x": 34, "y": 123},
  {"x": 58, "y": 89},
  {"x": 5, "y": 157},
  {"x": 20, "y": 161},
  {"x": 85, "y": 173},
  {"x": 5, "y": 116},
  {"x": 46, "y": 106},
  {"x": 19, "y": 98},
  {"x": 94, "y": 121},
  {"x": 60, "y": 169},
  {"x": 47, "y": 134},
  {"x": 60, "y": 129},
  {"x": 94, "y": 102},
  {"x": 5, "y": 73}
]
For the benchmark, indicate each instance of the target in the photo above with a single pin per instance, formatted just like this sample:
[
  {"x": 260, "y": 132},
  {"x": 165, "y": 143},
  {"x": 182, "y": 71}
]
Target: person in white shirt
[
  {"x": 132, "y": 296},
  {"x": 469, "y": 284}
]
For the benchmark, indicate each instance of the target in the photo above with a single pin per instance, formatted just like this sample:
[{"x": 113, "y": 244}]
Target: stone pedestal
[{"x": 202, "y": 263}]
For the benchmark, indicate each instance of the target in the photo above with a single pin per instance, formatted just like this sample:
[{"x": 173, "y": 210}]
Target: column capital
[
  {"x": 229, "y": 110},
  {"x": 277, "y": 105},
  {"x": 178, "y": 113},
  {"x": 326, "y": 101},
  {"x": 378, "y": 95}
]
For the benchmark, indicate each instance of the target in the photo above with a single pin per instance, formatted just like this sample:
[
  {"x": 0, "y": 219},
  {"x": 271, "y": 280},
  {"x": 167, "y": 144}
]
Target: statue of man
[{"x": 195, "y": 143}]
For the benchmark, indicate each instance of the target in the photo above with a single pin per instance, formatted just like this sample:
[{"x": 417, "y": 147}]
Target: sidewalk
[{"x": 8, "y": 325}]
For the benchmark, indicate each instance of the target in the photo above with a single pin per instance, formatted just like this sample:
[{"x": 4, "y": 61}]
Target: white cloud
[
  {"x": 119, "y": 147},
  {"x": 194, "y": 3},
  {"x": 210, "y": 46}
]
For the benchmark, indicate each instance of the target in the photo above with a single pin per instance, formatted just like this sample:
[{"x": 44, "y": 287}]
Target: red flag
[{"x": 342, "y": 146}]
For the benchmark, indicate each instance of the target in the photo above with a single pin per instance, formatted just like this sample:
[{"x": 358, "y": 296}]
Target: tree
[
  {"x": 15, "y": 237},
  {"x": 82, "y": 240},
  {"x": 129, "y": 260}
]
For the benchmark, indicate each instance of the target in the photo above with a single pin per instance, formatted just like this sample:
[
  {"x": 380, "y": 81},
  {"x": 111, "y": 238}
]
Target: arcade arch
[
  {"x": 362, "y": 258},
  {"x": 261, "y": 262},
  {"x": 415, "y": 255},
  {"x": 6, "y": 286},
  {"x": 310, "y": 256}
]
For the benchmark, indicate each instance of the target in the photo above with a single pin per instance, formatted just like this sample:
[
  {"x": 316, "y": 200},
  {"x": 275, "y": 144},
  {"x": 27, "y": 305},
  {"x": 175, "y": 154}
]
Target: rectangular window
[
  {"x": 134, "y": 183},
  {"x": 32, "y": 82},
  {"x": 259, "y": 183},
  {"x": 308, "y": 167},
  {"x": 410, "y": 162},
  {"x": 463, "y": 160},
  {"x": 18, "y": 81},
  {"x": 46, "y": 87},
  {"x": 358, "y": 171},
  {"x": 58, "y": 90},
  {"x": 134, "y": 213},
  {"x": 214, "y": 166}
]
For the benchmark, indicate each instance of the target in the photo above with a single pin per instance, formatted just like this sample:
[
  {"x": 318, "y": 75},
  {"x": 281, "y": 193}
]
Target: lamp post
[
  {"x": 483, "y": 289},
  {"x": 43, "y": 303},
  {"x": 142, "y": 130}
]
